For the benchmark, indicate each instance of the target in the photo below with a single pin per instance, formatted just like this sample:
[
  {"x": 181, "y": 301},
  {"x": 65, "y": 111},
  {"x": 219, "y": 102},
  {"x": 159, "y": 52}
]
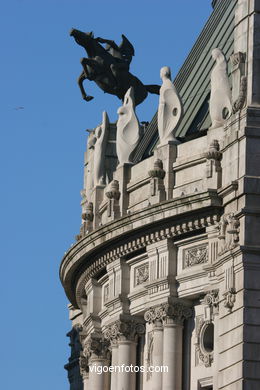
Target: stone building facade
[{"x": 165, "y": 270}]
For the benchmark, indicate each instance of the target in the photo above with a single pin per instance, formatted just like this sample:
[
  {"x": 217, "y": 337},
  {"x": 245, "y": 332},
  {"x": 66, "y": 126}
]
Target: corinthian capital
[
  {"x": 124, "y": 329},
  {"x": 177, "y": 311},
  {"x": 96, "y": 347}
]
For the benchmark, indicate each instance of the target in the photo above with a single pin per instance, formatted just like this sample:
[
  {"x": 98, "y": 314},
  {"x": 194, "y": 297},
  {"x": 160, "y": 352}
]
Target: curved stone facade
[{"x": 164, "y": 272}]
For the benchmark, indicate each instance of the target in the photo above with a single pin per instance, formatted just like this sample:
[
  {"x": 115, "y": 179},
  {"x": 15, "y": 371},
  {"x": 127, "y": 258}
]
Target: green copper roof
[{"x": 193, "y": 79}]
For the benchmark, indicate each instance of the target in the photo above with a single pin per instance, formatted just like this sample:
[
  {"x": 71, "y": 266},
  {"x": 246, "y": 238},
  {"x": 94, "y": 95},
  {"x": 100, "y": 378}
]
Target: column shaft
[
  {"x": 114, "y": 363},
  {"x": 157, "y": 355},
  {"x": 172, "y": 355},
  {"x": 98, "y": 379},
  {"x": 126, "y": 357}
]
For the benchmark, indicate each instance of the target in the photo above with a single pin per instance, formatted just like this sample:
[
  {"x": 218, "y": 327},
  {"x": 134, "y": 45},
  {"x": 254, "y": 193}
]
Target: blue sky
[{"x": 43, "y": 138}]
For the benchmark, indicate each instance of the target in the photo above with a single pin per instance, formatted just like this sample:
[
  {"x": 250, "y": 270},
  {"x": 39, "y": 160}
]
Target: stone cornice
[{"x": 168, "y": 219}]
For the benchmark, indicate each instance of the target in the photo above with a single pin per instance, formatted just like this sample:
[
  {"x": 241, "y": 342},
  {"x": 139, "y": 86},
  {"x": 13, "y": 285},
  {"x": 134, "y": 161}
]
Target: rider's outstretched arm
[{"x": 109, "y": 42}]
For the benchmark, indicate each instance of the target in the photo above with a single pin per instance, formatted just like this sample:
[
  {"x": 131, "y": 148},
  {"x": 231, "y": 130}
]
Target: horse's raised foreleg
[{"x": 81, "y": 78}]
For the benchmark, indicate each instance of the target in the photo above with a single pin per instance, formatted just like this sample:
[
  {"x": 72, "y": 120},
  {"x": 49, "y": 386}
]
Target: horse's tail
[{"x": 153, "y": 88}]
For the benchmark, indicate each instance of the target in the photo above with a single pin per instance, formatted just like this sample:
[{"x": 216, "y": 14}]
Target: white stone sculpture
[
  {"x": 128, "y": 129},
  {"x": 170, "y": 108},
  {"x": 101, "y": 134},
  {"x": 89, "y": 163},
  {"x": 220, "y": 106}
]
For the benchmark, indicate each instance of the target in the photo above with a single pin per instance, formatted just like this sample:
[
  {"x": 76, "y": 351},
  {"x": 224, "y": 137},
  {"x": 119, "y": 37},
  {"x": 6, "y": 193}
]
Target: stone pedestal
[
  {"x": 167, "y": 154},
  {"x": 123, "y": 175}
]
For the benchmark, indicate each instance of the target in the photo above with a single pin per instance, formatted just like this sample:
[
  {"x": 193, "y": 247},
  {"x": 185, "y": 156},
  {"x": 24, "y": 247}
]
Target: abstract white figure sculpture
[
  {"x": 89, "y": 163},
  {"x": 101, "y": 134},
  {"x": 220, "y": 106},
  {"x": 128, "y": 129},
  {"x": 170, "y": 108}
]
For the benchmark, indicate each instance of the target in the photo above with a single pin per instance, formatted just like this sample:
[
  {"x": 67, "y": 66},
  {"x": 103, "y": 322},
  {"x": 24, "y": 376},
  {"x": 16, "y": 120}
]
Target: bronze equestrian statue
[{"x": 109, "y": 67}]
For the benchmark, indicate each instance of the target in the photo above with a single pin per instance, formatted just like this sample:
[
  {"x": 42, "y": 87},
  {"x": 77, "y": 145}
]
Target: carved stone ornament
[
  {"x": 157, "y": 170},
  {"x": 176, "y": 311},
  {"x": 141, "y": 274},
  {"x": 220, "y": 106},
  {"x": 113, "y": 191},
  {"x": 170, "y": 108},
  {"x": 228, "y": 232},
  {"x": 124, "y": 330},
  {"x": 238, "y": 61},
  {"x": 128, "y": 129},
  {"x": 240, "y": 102},
  {"x": 211, "y": 300},
  {"x": 88, "y": 214},
  {"x": 229, "y": 298},
  {"x": 213, "y": 152},
  {"x": 83, "y": 366},
  {"x": 214, "y": 156},
  {"x": 96, "y": 347},
  {"x": 101, "y": 134},
  {"x": 205, "y": 355},
  {"x": 195, "y": 256}
]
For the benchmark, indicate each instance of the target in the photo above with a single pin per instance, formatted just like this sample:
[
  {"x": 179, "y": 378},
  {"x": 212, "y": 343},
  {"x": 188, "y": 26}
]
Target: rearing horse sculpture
[{"x": 109, "y": 67}]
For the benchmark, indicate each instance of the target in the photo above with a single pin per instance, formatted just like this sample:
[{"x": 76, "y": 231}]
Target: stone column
[
  {"x": 114, "y": 363},
  {"x": 124, "y": 333},
  {"x": 173, "y": 317},
  {"x": 97, "y": 353},
  {"x": 126, "y": 357},
  {"x": 155, "y": 317},
  {"x": 172, "y": 354},
  {"x": 167, "y": 344},
  {"x": 83, "y": 365}
]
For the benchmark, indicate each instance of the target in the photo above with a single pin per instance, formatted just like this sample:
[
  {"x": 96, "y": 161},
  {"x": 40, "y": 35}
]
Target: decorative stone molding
[
  {"x": 141, "y": 274},
  {"x": 124, "y": 329},
  {"x": 101, "y": 262},
  {"x": 177, "y": 311},
  {"x": 228, "y": 232},
  {"x": 196, "y": 255},
  {"x": 229, "y": 298},
  {"x": 205, "y": 355}
]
